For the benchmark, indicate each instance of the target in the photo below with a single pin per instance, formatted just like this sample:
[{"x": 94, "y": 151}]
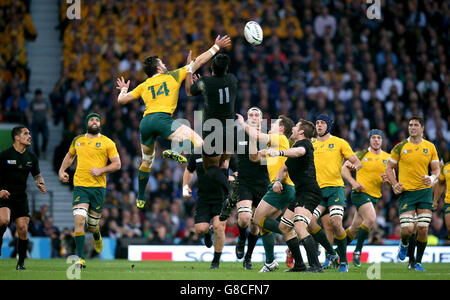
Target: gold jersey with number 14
[{"x": 160, "y": 92}]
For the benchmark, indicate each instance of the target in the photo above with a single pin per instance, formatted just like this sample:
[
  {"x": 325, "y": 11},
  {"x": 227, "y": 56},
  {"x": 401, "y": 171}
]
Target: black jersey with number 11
[{"x": 219, "y": 94}]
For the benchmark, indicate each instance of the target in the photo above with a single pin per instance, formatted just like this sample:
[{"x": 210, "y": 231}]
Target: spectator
[{"x": 40, "y": 113}]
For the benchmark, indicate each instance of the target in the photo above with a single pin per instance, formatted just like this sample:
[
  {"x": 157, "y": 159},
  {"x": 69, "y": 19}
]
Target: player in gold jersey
[
  {"x": 329, "y": 154},
  {"x": 366, "y": 190},
  {"x": 444, "y": 183},
  {"x": 413, "y": 156},
  {"x": 93, "y": 150},
  {"x": 160, "y": 95}
]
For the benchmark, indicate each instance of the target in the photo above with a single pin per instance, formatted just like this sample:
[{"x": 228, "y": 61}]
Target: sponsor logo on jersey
[{"x": 11, "y": 162}]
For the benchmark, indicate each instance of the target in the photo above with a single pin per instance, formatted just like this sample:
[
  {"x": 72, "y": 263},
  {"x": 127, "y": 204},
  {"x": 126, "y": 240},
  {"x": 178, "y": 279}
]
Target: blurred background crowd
[{"x": 316, "y": 57}]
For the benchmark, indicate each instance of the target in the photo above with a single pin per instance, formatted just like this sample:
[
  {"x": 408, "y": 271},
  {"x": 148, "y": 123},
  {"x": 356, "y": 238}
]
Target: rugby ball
[{"x": 253, "y": 33}]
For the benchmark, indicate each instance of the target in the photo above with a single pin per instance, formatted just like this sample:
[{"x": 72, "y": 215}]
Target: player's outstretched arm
[
  {"x": 67, "y": 162},
  {"x": 220, "y": 43},
  {"x": 124, "y": 96}
]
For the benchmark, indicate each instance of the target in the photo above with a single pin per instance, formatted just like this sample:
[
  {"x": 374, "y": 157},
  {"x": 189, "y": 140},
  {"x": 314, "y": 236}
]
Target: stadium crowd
[{"x": 317, "y": 57}]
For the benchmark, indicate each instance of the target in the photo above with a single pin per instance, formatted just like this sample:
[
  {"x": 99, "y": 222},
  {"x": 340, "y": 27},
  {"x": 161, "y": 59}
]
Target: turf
[{"x": 57, "y": 269}]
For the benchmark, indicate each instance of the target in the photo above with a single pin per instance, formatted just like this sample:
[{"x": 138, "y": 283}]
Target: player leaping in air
[{"x": 160, "y": 95}]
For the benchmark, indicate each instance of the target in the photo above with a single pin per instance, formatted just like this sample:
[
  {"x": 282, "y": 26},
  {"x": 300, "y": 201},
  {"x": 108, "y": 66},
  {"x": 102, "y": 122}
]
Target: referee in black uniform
[{"x": 16, "y": 163}]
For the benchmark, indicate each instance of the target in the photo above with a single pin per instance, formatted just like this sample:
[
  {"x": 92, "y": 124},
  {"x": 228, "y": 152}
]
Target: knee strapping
[
  {"x": 287, "y": 222},
  {"x": 148, "y": 158},
  {"x": 92, "y": 221},
  {"x": 407, "y": 221},
  {"x": 80, "y": 211},
  {"x": 424, "y": 220},
  {"x": 337, "y": 211},
  {"x": 301, "y": 218},
  {"x": 317, "y": 213},
  {"x": 244, "y": 209}
]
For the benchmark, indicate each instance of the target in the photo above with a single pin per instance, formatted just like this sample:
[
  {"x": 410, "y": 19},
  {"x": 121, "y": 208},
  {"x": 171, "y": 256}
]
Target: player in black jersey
[
  {"x": 301, "y": 169},
  {"x": 253, "y": 180},
  {"x": 208, "y": 205},
  {"x": 219, "y": 95},
  {"x": 16, "y": 163}
]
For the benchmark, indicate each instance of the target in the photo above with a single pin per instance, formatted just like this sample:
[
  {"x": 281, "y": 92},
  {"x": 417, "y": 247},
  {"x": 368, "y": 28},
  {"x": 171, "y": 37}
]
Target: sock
[
  {"x": 216, "y": 258},
  {"x": 350, "y": 237},
  {"x": 242, "y": 233},
  {"x": 22, "y": 246},
  {"x": 143, "y": 176},
  {"x": 322, "y": 239},
  {"x": 341, "y": 243},
  {"x": 412, "y": 247},
  {"x": 268, "y": 243},
  {"x": 79, "y": 244},
  {"x": 363, "y": 234},
  {"x": 2, "y": 230},
  {"x": 405, "y": 240},
  {"x": 420, "y": 250},
  {"x": 96, "y": 234},
  {"x": 270, "y": 224},
  {"x": 293, "y": 245},
  {"x": 252, "y": 239},
  {"x": 311, "y": 251}
]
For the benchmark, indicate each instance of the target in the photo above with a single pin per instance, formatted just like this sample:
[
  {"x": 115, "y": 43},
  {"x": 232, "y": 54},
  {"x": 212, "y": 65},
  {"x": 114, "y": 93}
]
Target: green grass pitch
[{"x": 57, "y": 269}]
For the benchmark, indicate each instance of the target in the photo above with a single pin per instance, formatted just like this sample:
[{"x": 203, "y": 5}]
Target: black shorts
[
  {"x": 307, "y": 199},
  {"x": 205, "y": 210},
  {"x": 18, "y": 207},
  {"x": 253, "y": 193},
  {"x": 217, "y": 145}
]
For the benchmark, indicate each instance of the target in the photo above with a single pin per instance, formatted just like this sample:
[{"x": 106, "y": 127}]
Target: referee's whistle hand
[{"x": 4, "y": 194}]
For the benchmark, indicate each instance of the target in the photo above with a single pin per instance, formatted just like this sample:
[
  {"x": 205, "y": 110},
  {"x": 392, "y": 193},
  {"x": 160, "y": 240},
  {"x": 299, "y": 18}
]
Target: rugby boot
[
  {"x": 418, "y": 267},
  {"x": 289, "y": 259},
  {"x": 81, "y": 263},
  {"x": 247, "y": 264},
  {"x": 273, "y": 266},
  {"x": 402, "y": 251},
  {"x": 357, "y": 259},
  {"x": 98, "y": 244},
  {"x": 343, "y": 267},
  {"x": 170, "y": 154}
]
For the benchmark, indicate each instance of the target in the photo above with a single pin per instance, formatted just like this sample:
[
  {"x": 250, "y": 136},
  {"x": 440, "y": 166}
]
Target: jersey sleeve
[
  {"x": 441, "y": 173},
  {"x": 179, "y": 74},
  {"x": 35, "y": 169},
  {"x": 137, "y": 92},
  {"x": 112, "y": 150},
  {"x": 360, "y": 154},
  {"x": 346, "y": 150},
  {"x": 191, "y": 166},
  {"x": 395, "y": 152},
  {"x": 72, "y": 149},
  {"x": 434, "y": 154}
]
